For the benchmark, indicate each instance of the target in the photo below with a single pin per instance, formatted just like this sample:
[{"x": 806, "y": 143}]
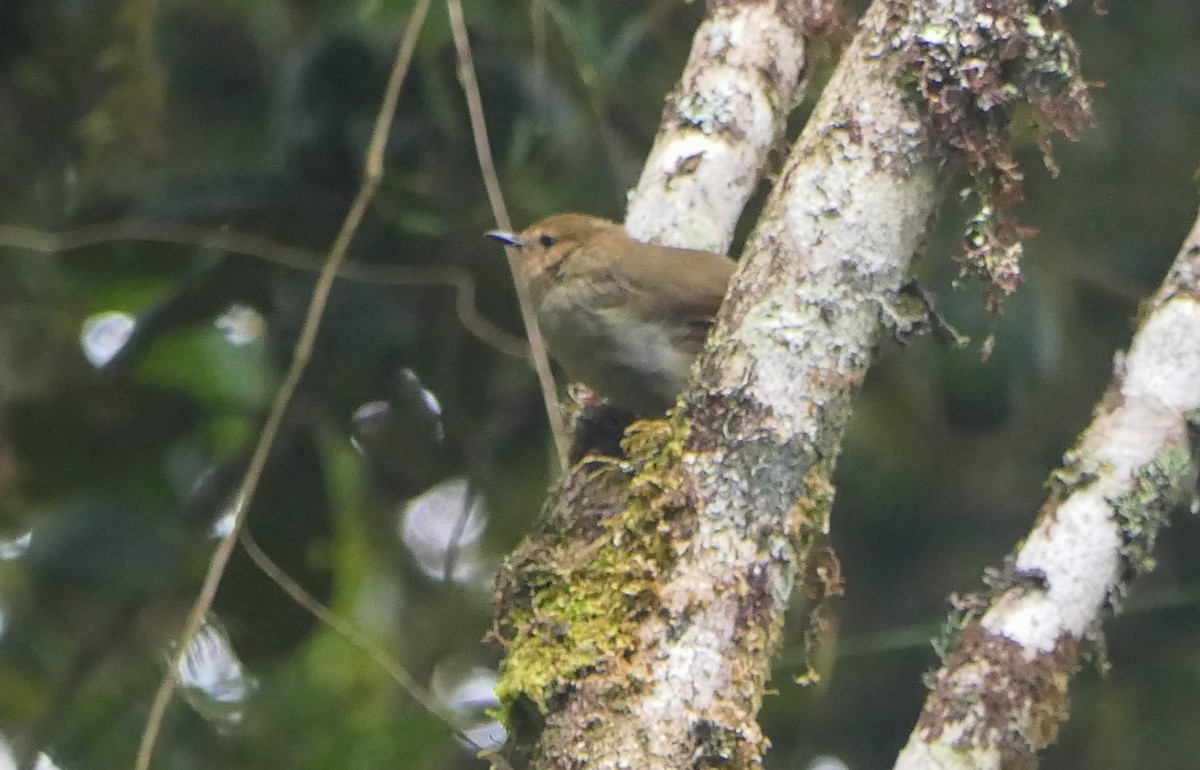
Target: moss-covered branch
[{"x": 1002, "y": 693}]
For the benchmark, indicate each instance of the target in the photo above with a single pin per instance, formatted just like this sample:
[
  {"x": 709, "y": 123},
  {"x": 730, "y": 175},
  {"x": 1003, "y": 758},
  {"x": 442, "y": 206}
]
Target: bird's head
[{"x": 546, "y": 245}]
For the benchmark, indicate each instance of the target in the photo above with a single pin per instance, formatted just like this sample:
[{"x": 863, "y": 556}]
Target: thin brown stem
[
  {"x": 372, "y": 176},
  {"x": 491, "y": 182},
  {"x": 352, "y": 635},
  {"x": 268, "y": 250}
]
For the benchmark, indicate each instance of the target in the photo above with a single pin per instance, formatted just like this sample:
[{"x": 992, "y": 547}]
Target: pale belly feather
[{"x": 632, "y": 363}]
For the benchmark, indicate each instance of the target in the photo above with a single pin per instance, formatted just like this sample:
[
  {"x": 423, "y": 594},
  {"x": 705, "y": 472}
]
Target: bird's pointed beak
[{"x": 510, "y": 239}]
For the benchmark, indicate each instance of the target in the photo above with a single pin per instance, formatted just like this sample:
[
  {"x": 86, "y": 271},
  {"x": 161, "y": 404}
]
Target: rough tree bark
[
  {"x": 1002, "y": 693},
  {"x": 639, "y": 623},
  {"x": 744, "y": 75}
]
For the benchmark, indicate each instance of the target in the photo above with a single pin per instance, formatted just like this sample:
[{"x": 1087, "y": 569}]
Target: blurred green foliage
[{"x": 255, "y": 116}]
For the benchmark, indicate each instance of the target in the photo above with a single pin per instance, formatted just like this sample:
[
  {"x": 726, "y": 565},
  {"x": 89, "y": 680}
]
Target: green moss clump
[
  {"x": 581, "y": 599},
  {"x": 1145, "y": 508}
]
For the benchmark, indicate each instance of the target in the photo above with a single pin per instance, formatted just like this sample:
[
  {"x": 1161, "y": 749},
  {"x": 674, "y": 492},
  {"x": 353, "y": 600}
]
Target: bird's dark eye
[{"x": 547, "y": 241}]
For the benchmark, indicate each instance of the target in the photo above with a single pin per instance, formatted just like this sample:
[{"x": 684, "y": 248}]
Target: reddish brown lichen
[
  {"x": 971, "y": 79},
  {"x": 1012, "y": 703}
]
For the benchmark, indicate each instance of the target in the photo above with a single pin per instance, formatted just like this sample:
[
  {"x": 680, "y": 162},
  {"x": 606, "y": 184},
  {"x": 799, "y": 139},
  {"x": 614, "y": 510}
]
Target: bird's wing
[{"x": 679, "y": 286}]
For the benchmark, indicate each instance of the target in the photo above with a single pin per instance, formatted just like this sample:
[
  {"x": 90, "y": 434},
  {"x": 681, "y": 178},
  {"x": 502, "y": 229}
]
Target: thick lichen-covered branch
[
  {"x": 1002, "y": 694},
  {"x": 749, "y": 483},
  {"x": 686, "y": 554},
  {"x": 572, "y": 597},
  {"x": 743, "y": 77}
]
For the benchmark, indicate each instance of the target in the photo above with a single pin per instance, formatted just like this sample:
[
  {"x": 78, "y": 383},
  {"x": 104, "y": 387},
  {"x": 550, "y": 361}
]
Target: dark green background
[{"x": 255, "y": 114}]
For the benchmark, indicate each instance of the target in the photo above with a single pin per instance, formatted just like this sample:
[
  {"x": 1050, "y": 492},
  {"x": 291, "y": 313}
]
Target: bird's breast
[{"x": 631, "y": 361}]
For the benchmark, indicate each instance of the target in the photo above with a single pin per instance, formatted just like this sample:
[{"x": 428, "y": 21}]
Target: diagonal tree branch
[
  {"x": 641, "y": 621},
  {"x": 483, "y": 151},
  {"x": 648, "y": 647},
  {"x": 773, "y": 394},
  {"x": 744, "y": 75},
  {"x": 449, "y": 276},
  {"x": 1002, "y": 693}
]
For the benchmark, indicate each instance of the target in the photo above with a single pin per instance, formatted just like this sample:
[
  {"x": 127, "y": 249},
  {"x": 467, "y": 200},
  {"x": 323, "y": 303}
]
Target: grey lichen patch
[
  {"x": 970, "y": 78},
  {"x": 964, "y": 610},
  {"x": 568, "y": 605},
  {"x": 967, "y": 609},
  {"x": 1013, "y": 704},
  {"x": 1158, "y": 487},
  {"x": 707, "y": 112}
]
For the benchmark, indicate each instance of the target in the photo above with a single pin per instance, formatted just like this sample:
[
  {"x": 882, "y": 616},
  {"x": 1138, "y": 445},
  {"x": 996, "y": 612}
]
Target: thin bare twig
[
  {"x": 491, "y": 181},
  {"x": 184, "y": 234},
  {"x": 372, "y": 176},
  {"x": 352, "y": 635}
]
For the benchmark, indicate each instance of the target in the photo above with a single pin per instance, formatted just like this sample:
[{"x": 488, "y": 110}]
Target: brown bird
[{"x": 624, "y": 317}]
